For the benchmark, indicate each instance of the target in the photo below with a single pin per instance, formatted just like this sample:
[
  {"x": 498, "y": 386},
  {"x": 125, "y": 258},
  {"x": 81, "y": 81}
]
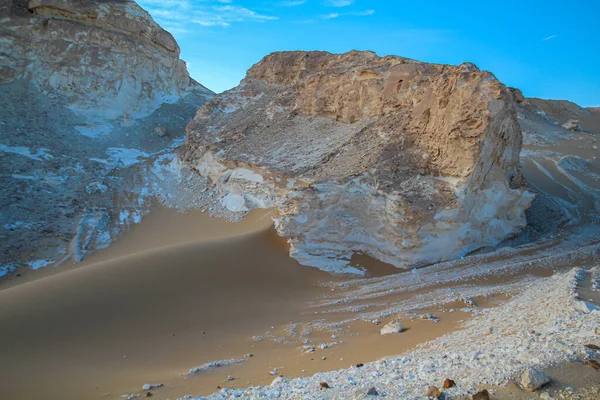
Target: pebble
[
  {"x": 585, "y": 307},
  {"x": 533, "y": 379},
  {"x": 448, "y": 383},
  {"x": 434, "y": 392},
  {"x": 372, "y": 392},
  {"x": 324, "y": 385},
  {"x": 148, "y": 386},
  {"x": 481, "y": 395},
  {"x": 392, "y": 327}
]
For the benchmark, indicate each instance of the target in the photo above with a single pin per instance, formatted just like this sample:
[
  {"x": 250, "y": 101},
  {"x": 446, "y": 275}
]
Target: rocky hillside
[
  {"x": 92, "y": 96},
  {"x": 409, "y": 162}
]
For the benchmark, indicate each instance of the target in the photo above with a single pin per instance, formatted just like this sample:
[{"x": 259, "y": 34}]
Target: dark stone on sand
[
  {"x": 448, "y": 383},
  {"x": 593, "y": 363},
  {"x": 372, "y": 392},
  {"x": 434, "y": 392},
  {"x": 481, "y": 395}
]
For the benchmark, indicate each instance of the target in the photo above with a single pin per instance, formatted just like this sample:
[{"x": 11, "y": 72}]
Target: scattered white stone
[
  {"x": 392, "y": 327},
  {"x": 213, "y": 364},
  {"x": 149, "y": 386},
  {"x": 533, "y": 379},
  {"x": 278, "y": 381},
  {"x": 585, "y": 307},
  {"x": 562, "y": 346}
]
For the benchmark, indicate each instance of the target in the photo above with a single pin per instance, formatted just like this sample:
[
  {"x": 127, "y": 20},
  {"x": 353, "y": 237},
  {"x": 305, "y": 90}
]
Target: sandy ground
[{"x": 177, "y": 291}]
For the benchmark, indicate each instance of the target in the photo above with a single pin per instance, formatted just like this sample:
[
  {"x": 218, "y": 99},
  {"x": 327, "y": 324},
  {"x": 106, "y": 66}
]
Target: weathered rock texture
[
  {"x": 78, "y": 165},
  {"x": 107, "y": 56},
  {"x": 408, "y": 162}
]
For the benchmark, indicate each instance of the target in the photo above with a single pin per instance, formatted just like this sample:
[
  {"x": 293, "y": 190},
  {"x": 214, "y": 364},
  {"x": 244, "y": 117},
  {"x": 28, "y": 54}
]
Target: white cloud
[
  {"x": 236, "y": 13},
  {"x": 292, "y": 3},
  {"x": 364, "y": 13},
  {"x": 549, "y": 38},
  {"x": 353, "y": 13},
  {"x": 339, "y": 3},
  {"x": 174, "y": 15}
]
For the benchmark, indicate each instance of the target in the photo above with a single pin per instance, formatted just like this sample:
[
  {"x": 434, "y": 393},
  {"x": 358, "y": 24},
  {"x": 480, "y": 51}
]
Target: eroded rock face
[
  {"x": 107, "y": 56},
  {"x": 81, "y": 160},
  {"x": 408, "y": 162}
]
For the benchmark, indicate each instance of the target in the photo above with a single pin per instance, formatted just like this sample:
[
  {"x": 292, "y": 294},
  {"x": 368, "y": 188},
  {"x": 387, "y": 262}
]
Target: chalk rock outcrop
[
  {"x": 93, "y": 99},
  {"x": 408, "y": 162},
  {"x": 107, "y": 57}
]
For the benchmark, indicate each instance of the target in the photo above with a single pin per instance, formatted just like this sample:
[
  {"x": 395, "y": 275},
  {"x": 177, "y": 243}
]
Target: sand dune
[{"x": 163, "y": 309}]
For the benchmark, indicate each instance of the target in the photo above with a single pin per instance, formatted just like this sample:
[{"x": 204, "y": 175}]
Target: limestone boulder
[{"x": 408, "y": 162}]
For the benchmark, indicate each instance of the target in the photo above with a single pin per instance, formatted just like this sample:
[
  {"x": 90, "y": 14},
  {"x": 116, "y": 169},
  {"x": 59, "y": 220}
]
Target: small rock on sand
[
  {"x": 448, "y": 383},
  {"x": 277, "y": 381},
  {"x": 585, "y": 307},
  {"x": 546, "y": 396},
  {"x": 324, "y": 385},
  {"x": 149, "y": 386},
  {"x": 434, "y": 392},
  {"x": 591, "y": 347},
  {"x": 571, "y": 125},
  {"x": 481, "y": 395},
  {"x": 392, "y": 327},
  {"x": 533, "y": 379},
  {"x": 160, "y": 131},
  {"x": 365, "y": 392},
  {"x": 593, "y": 363}
]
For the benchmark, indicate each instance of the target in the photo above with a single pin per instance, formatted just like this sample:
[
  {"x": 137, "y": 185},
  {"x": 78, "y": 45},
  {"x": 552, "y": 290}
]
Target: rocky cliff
[
  {"x": 93, "y": 99},
  {"x": 408, "y": 162},
  {"x": 108, "y": 57}
]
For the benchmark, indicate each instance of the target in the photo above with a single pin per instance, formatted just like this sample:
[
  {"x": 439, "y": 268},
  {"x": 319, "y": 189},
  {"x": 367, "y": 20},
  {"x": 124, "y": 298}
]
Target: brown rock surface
[
  {"x": 434, "y": 392},
  {"x": 406, "y": 161},
  {"x": 481, "y": 395}
]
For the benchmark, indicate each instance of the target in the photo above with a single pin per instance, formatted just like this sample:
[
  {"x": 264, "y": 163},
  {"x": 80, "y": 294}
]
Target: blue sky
[{"x": 548, "y": 49}]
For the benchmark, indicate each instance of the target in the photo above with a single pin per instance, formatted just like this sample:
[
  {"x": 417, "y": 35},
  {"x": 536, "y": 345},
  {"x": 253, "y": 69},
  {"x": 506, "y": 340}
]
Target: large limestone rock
[
  {"x": 84, "y": 85},
  {"x": 405, "y": 161},
  {"x": 108, "y": 57}
]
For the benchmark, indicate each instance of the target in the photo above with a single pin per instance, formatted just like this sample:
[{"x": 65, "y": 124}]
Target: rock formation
[
  {"x": 107, "y": 57},
  {"x": 408, "y": 162},
  {"x": 93, "y": 97}
]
